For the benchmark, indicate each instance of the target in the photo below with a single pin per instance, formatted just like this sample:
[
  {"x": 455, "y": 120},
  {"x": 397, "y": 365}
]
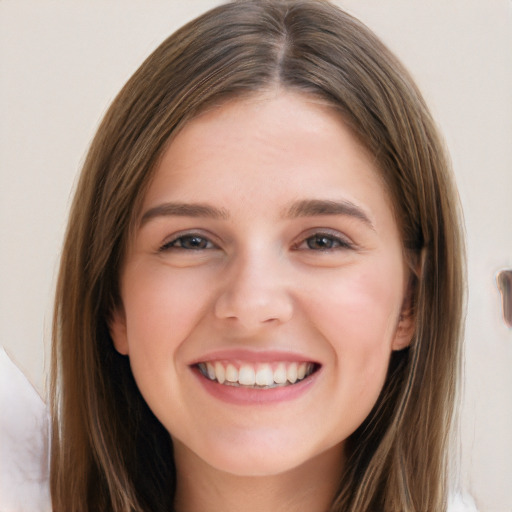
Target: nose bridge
[{"x": 255, "y": 291}]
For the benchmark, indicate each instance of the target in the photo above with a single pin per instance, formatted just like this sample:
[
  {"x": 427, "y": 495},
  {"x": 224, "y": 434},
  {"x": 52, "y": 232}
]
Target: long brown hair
[{"x": 108, "y": 450}]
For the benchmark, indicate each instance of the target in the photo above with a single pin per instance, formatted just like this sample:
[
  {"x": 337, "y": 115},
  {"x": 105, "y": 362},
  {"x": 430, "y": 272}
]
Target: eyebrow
[
  {"x": 183, "y": 210},
  {"x": 303, "y": 208},
  {"x": 320, "y": 207}
]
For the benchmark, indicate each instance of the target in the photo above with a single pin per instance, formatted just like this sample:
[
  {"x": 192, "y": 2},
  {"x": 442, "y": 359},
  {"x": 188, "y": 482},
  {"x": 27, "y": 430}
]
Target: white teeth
[
  {"x": 246, "y": 375},
  {"x": 220, "y": 373},
  {"x": 280, "y": 374},
  {"x": 263, "y": 375},
  {"x": 291, "y": 373},
  {"x": 211, "y": 370},
  {"x": 231, "y": 373}
]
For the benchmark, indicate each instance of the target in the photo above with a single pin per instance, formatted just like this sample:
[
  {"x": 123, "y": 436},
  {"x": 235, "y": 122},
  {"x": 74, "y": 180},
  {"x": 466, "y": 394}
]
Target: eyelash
[
  {"x": 177, "y": 243},
  {"x": 330, "y": 241}
]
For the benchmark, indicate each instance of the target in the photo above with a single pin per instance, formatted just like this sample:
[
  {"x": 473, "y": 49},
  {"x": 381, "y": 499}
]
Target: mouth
[{"x": 256, "y": 375}]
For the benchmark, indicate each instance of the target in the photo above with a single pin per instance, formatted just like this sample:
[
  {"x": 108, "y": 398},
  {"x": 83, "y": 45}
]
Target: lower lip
[{"x": 250, "y": 396}]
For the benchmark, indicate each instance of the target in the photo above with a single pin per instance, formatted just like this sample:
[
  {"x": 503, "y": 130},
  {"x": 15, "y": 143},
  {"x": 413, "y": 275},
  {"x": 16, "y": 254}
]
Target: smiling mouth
[{"x": 257, "y": 376}]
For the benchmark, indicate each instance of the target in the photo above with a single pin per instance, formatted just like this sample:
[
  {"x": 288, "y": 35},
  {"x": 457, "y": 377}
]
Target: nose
[{"x": 254, "y": 294}]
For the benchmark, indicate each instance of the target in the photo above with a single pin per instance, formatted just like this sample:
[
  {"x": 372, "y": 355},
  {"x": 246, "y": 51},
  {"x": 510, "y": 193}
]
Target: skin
[{"x": 325, "y": 286}]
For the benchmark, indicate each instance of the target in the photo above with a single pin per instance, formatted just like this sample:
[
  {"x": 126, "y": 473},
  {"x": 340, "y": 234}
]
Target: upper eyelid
[
  {"x": 211, "y": 238},
  {"x": 342, "y": 243},
  {"x": 175, "y": 237},
  {"x": 332, "y": 233}
]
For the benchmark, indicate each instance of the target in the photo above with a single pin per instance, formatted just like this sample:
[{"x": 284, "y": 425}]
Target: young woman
[{"x": 260, "y": 296}]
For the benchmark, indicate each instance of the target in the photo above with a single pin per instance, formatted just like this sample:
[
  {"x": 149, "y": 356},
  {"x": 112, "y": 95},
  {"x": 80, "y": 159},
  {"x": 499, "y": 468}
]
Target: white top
[{"x": 24, "y": 457}]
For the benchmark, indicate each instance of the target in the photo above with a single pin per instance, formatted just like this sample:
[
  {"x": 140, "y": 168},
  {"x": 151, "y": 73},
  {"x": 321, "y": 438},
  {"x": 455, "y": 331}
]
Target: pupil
[
  {"x": 320, "y": 242},
  {"x": 195, "y": 242}
]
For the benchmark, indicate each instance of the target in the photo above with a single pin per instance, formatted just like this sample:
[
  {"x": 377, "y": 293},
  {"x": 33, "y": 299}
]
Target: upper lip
[{"x": 254, "y": 356}]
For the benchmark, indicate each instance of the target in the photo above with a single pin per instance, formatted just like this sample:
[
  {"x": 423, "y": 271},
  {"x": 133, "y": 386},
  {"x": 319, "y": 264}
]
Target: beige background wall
[{"x": 61, "y": 63}]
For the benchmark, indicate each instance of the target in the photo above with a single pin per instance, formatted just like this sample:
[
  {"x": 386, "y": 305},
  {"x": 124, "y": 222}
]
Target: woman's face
[{"x": 262, "y": 292}]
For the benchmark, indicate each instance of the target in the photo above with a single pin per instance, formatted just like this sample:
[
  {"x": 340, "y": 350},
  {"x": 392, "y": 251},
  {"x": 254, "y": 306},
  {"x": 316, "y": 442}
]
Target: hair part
[{"x": 109, "y": 452}]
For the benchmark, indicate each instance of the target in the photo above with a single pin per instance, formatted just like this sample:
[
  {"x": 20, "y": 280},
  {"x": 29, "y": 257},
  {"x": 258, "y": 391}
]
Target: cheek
[
  {"x": 357, "y": 314},
  {"x": 364, "y": 305},
  {"x": 162, "y": 307}
]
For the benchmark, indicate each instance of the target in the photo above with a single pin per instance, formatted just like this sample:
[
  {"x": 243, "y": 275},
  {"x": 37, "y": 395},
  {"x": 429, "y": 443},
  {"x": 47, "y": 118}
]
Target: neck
[{"x": 311, "y": 486}]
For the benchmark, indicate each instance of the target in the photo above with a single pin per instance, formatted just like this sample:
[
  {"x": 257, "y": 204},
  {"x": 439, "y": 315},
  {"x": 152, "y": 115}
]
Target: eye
[
  {"x": 190, "y": 242},
  {"x": 324, "y": 242}
]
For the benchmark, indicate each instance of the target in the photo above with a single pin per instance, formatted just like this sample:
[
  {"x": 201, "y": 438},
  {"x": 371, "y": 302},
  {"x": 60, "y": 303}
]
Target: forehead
[{"x": 276, "y": 141}]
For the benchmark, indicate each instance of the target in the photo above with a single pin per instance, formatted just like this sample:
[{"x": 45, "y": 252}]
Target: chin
[
  {"x": 258, "y": 457},
  {"x": 244, "y": 465}
]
